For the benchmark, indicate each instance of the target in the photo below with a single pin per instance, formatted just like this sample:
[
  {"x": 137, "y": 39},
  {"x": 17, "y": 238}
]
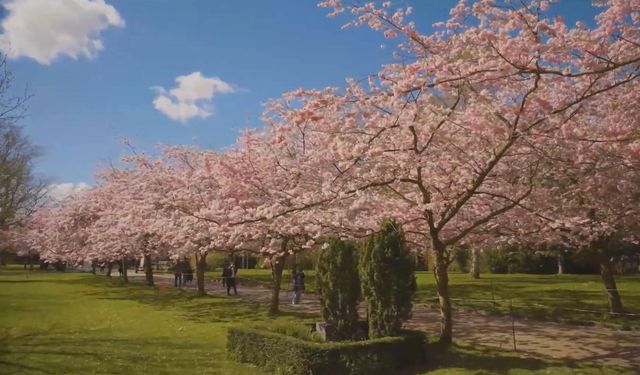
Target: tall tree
[
  {"x": 21, "y": 192},
  {"x": 457, "y": 133}
]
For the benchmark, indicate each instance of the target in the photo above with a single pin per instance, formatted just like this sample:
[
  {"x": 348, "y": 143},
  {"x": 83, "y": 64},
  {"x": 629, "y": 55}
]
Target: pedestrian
[
  {"x": 177, "y": 274},
  {"x": 225, "y": 274},
  {"x": 231, "y": 279},
  {"x": 120, "y": 269},
  {"x": 298, "y": 285},
  {"x": 187, "y": 272}
]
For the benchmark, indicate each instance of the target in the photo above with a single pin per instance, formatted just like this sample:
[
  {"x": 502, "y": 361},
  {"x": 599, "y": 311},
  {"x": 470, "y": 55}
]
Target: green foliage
[
  {"x": 305, "y": 260},
  {"x": 514, "y": 259},
  {"x": 215, "y": 260},
  {"x": 462, "y": 255},
  {"x": 299, "y": 331},
  {"x": 500, "y": 260},
  {"x": 291, "y": 356},
  {"x": 388, "y": 281},
  {"x": 339, "y": 287}
]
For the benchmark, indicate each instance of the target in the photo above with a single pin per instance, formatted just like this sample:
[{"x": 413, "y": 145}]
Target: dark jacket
[
  {"x": 177, "y": 269},
  {"x": 298, "y": 280}
]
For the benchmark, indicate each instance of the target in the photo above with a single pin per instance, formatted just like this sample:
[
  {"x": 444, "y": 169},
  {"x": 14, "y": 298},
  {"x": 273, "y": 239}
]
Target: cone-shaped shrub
[
  {"x": 339, "y": 287},
  {"x": 388, "y": 281}
]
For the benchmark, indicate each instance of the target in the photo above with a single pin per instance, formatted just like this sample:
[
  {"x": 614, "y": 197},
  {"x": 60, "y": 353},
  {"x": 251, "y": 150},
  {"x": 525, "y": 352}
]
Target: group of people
[
  {"x": 182, "y": 273},
  {"x": 230, "y": 272}
]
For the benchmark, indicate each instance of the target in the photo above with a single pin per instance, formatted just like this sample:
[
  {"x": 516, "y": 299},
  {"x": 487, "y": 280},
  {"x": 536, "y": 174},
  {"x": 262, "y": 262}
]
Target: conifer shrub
[
  {"x": 339, "y": 287},
  {"x": 387, "y": 278}
]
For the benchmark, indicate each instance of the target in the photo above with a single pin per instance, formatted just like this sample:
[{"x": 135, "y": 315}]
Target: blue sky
[{"x": 81, "y": 107}]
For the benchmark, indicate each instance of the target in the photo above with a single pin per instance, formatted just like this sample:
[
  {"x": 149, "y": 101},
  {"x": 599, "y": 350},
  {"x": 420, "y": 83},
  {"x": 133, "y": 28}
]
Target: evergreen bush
[
  {"x": 387, "y": 278},
  {"x": 338, "y": 284}
]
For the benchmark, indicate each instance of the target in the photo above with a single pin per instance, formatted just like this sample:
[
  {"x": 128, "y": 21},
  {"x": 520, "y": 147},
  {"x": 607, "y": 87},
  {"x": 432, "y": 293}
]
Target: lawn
[
  {"x": 551, "y": 297},
  {"x": 554, "y": 297},
  {"x": 53, "y": 323}
]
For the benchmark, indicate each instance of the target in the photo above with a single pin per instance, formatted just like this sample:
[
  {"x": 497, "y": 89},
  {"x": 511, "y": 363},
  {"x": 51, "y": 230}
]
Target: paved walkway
[{"x": 604, "y": 346}]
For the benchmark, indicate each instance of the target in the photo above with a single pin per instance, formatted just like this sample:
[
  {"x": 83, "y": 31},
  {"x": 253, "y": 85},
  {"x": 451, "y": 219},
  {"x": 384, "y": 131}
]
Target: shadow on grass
[
  {"x": 485, "y": 361},
  {"x": 201, "y": 309},
  {"x": 86, "y": 352}
]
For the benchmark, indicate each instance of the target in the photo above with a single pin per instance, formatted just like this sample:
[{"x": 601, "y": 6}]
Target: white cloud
[
  {"x": 45, "y": 29},
  {"x": 57, "y": 192},
  {"x": 191, "y": 97}
]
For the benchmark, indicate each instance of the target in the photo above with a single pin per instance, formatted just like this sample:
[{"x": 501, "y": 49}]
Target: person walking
[
  {"x": 187, "y": 272},
  {"x": 177, "y": 274},
  {"x": 231, "y": 279},
  {"x": 225, "y": 274},
  {"x": 298, "y": 285}
]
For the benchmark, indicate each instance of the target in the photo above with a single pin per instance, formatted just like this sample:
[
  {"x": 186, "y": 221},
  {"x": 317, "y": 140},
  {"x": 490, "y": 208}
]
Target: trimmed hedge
[{"x": 291, "y": 356}]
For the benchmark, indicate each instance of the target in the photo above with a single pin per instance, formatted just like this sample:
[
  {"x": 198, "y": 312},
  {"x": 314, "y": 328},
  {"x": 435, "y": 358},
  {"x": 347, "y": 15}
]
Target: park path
[{"x": 603, "y": 346}]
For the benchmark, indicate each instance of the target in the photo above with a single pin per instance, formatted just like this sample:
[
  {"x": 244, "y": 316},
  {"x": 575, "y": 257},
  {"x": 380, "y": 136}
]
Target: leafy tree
[
  {"x": 388, "y": 281},
  {"x": 339, "y": 287}
]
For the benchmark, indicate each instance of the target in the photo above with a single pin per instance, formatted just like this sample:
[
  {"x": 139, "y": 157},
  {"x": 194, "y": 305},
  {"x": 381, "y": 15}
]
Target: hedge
[{"x": 287, "y": 355}]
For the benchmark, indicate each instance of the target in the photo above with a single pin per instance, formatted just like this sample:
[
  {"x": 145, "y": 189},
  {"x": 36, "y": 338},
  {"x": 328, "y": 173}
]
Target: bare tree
[{"x": 21, "y": 191}]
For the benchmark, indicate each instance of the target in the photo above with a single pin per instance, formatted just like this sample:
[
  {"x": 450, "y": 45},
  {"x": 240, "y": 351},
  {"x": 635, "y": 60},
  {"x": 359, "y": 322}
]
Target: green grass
[
  {"x": 547, "y": 297},
  {"x": 466, "y": 360},
  {"x": 54, "y": 323},
  {"x": 550, "y": 297}
]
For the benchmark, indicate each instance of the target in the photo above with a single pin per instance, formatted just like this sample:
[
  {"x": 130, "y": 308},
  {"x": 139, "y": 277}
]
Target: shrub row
[{"x": 291, "y": 356}]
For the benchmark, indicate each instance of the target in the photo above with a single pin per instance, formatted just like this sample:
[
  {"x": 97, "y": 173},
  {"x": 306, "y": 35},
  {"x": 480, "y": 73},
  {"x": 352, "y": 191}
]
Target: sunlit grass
[
  {"x": 55, "y": 323},
  {"x": 551, "y": 297}
]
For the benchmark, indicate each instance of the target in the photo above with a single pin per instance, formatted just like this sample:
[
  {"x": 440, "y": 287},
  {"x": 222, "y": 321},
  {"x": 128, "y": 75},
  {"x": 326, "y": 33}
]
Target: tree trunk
[
  {"x": 277, "y": 266},
  {"x": 148, "y": 269},
  {"x": 109, "y": 268},
  {"x": 125, "y": 277},
  {"x": 201, "y": 266},
  {"x": 560, "y": 264},
  {"x": 474, "y": 273},
  {"x": 613, "y": 297},
  {"x": 426, "y": 259},
  {"x": 442, "y": 286}
]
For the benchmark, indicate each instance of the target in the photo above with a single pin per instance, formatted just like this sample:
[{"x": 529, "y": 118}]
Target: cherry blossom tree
[
  {"x": 183, "y": 187},
  {"x": 459, "y": 131},
  {"x": 474, "y": 126}
]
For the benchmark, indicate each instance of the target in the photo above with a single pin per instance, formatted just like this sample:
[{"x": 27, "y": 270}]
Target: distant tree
[
  {"x": 474, "y": 272},
  {"x": 388, "y": 281},
  {"x": 461, "y": 256}
]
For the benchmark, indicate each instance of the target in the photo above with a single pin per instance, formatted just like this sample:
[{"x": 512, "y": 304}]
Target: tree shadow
[
  {"x": 201, "y": 309},
  {"x": 485, "y": 360},
  {"x": 87, "y": 352}
]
